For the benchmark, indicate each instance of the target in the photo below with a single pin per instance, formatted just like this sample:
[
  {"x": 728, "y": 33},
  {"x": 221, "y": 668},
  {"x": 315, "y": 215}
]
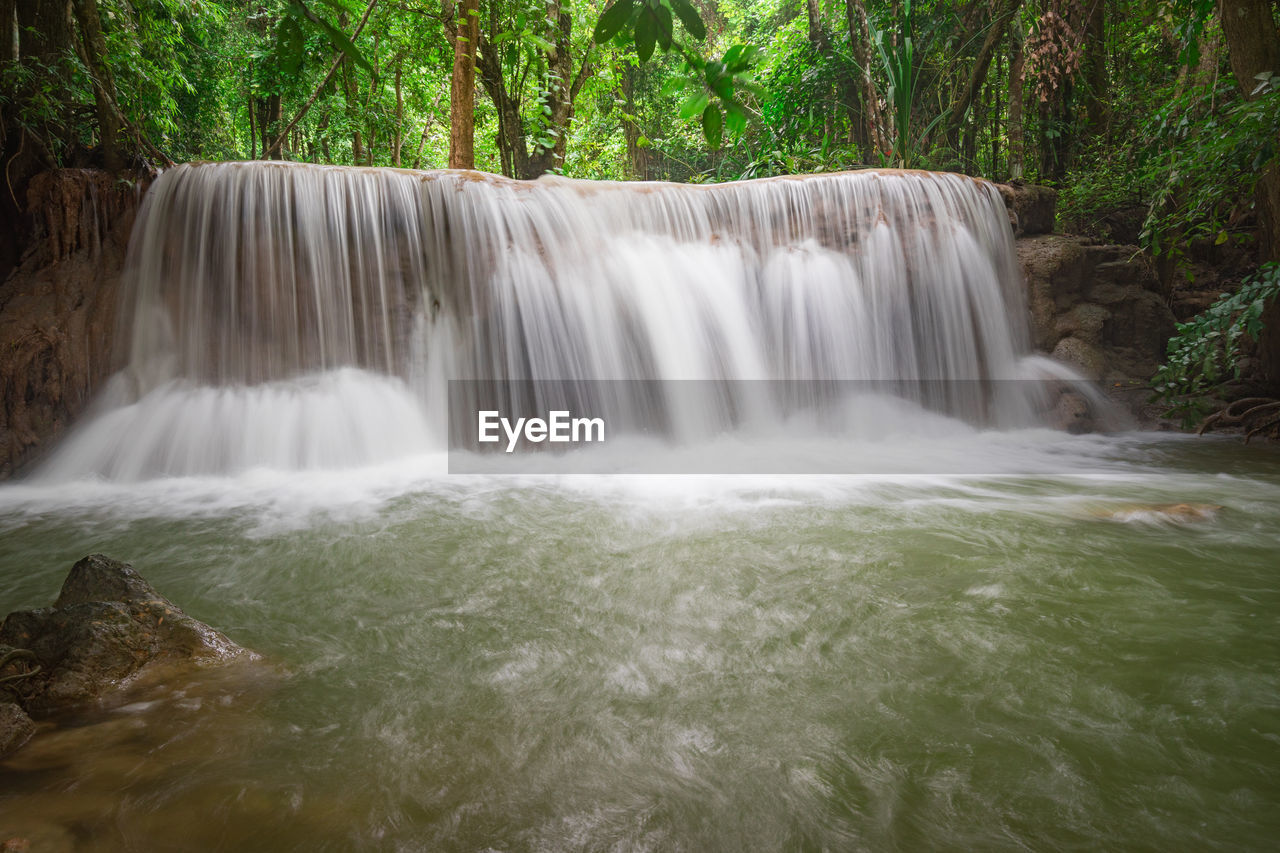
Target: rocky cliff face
[
  {"x": 1098, "y": 308},
  {"x": 58, "y": 307}
]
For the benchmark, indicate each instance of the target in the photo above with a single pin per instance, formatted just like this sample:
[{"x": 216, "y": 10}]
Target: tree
[
  {"x": 1254, "y": 47},
  {"x": 462, "y": 88}
]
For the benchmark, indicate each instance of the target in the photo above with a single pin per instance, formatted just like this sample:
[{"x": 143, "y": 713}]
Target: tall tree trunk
[
  {"x": 253, "y": 127},
  {"x": 562, "y": 90},
  {"x": 271, "y": 126},
  {"x": 873, "y": 132},
  {"x": 1095, "y": 67},
  {"x": 1002, "y": 12},
  {"x": 1253, "y": 44},
  {"x": 462, "y": 87},
  {"x": 1017, "y": 62},
  {"x": 104, "y": 87},
  {"x": 817, "y": 35},
  {"x": 511, "y": 142},
  {"x": 397, "y": 138},
  {"x": 10, "y": 40},
  {"x": 637, "y": 157}
]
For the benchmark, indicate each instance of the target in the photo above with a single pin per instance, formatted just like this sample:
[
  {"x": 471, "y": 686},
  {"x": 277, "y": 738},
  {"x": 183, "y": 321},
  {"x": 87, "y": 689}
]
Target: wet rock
[
  {"x": 58, "y": 307},
  {"x": 1073, "y": 414},
  {"x": 1182, "y": 513},
  {"x": 1032, "y": 209},
  {"x": 1086, "y": 358},
  {"x": 108, "y": 628},
  {"x": 1100, "y": 309},
  {"x": 16, "y": 728}
]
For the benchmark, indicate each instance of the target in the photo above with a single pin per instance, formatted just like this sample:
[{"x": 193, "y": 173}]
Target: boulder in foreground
[{"x": 108, "y": 628}]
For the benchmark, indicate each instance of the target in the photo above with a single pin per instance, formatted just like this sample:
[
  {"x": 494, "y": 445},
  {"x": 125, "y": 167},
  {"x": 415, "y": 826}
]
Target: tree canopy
[{"x": 1169, "y": 106}]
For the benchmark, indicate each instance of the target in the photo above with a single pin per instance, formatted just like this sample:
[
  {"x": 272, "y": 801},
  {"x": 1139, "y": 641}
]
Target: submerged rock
[
  {"x": 16, "y": 728},
  {"x": 1180, "y": 512},
  {"x": 108, "y": 628}
]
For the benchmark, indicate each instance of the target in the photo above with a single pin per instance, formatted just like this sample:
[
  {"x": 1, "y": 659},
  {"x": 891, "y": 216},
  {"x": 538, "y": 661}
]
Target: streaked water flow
[
  {"x": 993, "y": 639},
  {"x": 265, "y": 276}
]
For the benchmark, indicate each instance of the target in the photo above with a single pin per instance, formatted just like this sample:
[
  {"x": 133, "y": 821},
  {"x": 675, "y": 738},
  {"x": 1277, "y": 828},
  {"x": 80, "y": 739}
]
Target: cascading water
[{"x": 297, "y": 316}]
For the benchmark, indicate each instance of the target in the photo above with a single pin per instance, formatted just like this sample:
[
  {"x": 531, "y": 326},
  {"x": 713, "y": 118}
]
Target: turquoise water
[{"x": 899, "y": 662}]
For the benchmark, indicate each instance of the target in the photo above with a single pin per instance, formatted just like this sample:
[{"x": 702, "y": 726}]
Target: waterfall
[{"x": 289, "y": 316}]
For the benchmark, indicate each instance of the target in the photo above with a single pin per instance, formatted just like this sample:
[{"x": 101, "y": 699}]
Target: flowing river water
[{"x": 980, "y": 634}]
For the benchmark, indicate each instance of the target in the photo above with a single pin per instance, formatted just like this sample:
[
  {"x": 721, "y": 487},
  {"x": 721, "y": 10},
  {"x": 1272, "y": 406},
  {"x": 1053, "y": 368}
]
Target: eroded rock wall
[
  {"x": 1099, "y": 309},
  {"x": 58, "y": 307}
]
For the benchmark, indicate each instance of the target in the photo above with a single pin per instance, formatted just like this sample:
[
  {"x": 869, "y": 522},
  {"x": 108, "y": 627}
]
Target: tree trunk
[
  {"x": 10, "y": 43},
  {"x": 104, "y": 87},
  {"x": 1095, "y": 67},
  {"x": 817, "y": 36},
  {"x": 253, "y": 128},
  {"x": 562, "y": 89},
  {"x": 873, "y": 132},
  {"x": 1017, "y": 61},
  {"x": 1253, "y": 44},
  {"x": 637, "y": 157},
  {"x": 1002, "y": 13},
  {"x": 462, "y": 87},
  {"x": 511, "y": 144},
  {"x": 397, "y": 138},
  {"x": 271, "y": 126}
]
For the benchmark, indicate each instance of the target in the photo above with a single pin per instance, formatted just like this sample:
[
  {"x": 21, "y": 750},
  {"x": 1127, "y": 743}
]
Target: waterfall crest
[{"x": 260, "y": 294}]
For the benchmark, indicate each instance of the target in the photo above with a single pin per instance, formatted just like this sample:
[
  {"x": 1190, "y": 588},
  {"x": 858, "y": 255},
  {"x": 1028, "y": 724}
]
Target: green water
[{"x": 594, "y": 663}]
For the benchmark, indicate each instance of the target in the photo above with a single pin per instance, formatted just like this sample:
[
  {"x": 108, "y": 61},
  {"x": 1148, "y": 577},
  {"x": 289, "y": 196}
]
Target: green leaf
[
  {"x": 735, "y": 118},
  {"x": 291, "y": 46},
  {"x": 612, "y": 21},
  {"x": 712, "y": 125},
  {"x": 694, "y": 104},
  {"x": 646, "y": 36},
  {"x": 338, "y": 5},
  {"x": 674, "y": 85},
  {"x": 336, "y": 37},
  {"x": 664, "y": 26},
  {"x": 541, "y": 43},
  {"x": 690, "y": 18}
]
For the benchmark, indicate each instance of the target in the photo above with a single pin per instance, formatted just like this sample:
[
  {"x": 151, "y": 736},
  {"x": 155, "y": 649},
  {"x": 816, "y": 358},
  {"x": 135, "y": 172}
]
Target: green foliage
[
  {"x": 1209, "y": 160},
  {"x": 649, "y": 24},
  {"x": 1206, "y": 351},
  {"x": 898, "y": 61}
]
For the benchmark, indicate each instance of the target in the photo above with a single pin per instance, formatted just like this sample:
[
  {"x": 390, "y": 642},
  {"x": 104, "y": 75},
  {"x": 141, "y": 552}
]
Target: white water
[{"x": 300, "y": 317}]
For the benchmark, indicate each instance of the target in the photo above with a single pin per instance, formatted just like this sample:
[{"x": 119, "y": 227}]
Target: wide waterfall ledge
[{"x": 311, "y": 317}]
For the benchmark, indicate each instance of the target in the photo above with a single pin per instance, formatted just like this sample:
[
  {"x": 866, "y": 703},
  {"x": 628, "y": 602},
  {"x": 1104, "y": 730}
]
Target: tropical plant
[{"x": 1206, "y": 352}]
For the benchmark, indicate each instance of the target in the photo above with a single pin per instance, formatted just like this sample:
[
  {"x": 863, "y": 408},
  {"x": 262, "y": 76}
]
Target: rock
[
  {"x": 1100, "y": 309},
  {"x": 1086, "y": 358},
  {"x": 58, "y": 306},
  {"x": 108, "y": 627},
  {"x": 16, "y": 728},
  {"x": 1073, "y": 414},
  {"x": 1032, "y": 209},
  {"x": 1182, "y": 512}
]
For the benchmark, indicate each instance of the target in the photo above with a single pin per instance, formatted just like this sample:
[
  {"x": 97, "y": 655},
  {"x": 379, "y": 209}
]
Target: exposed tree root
[
  {"x": 1255, "y": 415},
  {"x": 9, "y": 684}
]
